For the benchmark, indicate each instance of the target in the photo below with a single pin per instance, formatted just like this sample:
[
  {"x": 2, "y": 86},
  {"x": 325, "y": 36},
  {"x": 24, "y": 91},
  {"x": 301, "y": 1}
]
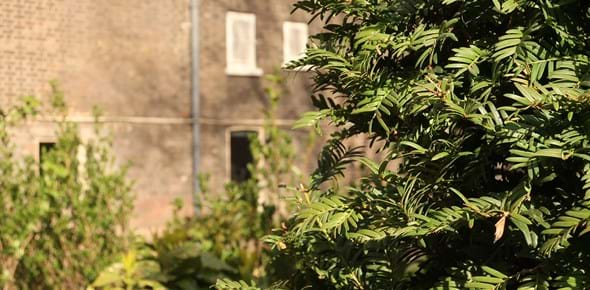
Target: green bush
[
  {"x": 62, "y": 219},
  {"x": 485, "y": 105},
  {"x": 192, "y": 253}
]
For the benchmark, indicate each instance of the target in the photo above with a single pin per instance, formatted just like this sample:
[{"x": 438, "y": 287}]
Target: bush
[
  {"x": 485, "y": 104},
  {"x": 62, "y": 219}
]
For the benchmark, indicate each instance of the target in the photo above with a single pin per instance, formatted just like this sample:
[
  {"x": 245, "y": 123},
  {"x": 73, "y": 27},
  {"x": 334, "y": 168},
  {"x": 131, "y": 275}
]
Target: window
[
  {"x": 44, "y": 149},
  {"x": 294, "y": 41},
  {"x": 240, "y": 155},
  {"x": 241, "y": 44}
]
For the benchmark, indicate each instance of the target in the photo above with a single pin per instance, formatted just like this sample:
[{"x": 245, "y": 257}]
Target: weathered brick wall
[
  {"x": 108, "y": 53},
  {"x": 132, "y": 58},
  {"x": 35, "y": 37}
]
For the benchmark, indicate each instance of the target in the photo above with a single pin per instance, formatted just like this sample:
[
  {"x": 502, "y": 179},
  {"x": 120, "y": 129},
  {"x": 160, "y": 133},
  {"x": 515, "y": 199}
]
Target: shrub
[
  {"x": 485, "y": 104},
  {"x": 62, "y": 219}
]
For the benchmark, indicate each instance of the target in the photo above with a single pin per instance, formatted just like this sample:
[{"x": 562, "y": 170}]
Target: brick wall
[
  {"x": 35, "y": 38},
  {"x": 132, "y": 59}
]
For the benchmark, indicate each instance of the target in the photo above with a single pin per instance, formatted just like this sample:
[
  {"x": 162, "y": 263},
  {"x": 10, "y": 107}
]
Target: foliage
[
  {"x": 223, "y": 240},
  {"x": 173, "y": 261},
  {"x": 485, "y": 104},
  {"x": 62, "y": 218},
  {"x": 274, "y": 157},
  {"x": 137, "y": 269},
  {"x": 192, "y": 253}
]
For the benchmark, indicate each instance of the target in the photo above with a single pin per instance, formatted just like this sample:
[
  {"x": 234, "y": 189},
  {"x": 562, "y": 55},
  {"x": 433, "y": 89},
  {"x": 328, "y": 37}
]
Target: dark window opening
[
  {"x": 241, "y": 155},
  {"x": 44, "y": 148}
]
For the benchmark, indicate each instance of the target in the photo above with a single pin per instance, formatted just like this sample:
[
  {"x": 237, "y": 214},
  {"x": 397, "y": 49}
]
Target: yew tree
[{"x": 485, "y": 105}]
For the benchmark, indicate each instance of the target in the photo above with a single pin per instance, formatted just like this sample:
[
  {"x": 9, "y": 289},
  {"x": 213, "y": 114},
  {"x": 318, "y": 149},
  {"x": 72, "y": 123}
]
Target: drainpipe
[{"x": 195, "y": 96}]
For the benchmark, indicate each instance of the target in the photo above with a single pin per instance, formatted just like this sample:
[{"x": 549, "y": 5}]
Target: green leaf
[{"x": 440, "y": 155}]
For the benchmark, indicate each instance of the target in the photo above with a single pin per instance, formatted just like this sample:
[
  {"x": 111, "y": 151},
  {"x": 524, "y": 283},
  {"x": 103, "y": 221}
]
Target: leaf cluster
[
  {"x": 485, "y": 106},
  {"x": 63, "y": 216}
]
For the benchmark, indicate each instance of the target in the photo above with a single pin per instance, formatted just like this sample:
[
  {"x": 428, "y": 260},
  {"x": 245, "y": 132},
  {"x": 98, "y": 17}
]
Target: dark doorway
[{"x": 241, "y": 155}]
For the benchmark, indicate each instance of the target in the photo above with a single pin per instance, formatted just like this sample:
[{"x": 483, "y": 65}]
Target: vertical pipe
[{"x": 195, "y": 96}]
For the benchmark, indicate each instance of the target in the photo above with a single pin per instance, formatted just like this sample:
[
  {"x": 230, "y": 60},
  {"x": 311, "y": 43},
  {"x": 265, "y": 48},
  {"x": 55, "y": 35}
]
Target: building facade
[
  {"x": 170, "y": 114},
  {"x": 241, "y": 41}
]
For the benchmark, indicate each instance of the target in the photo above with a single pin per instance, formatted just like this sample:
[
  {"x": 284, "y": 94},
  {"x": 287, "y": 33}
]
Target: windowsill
[{"x": 244, "y": 72}]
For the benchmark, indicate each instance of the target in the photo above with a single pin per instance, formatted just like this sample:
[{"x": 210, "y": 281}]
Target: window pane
[
  {"x": 241, "y": 43},
  {"x": 296, "y": 44},
  {"x": 295, "y": 40},
  {"x": 242, "y": 35}
]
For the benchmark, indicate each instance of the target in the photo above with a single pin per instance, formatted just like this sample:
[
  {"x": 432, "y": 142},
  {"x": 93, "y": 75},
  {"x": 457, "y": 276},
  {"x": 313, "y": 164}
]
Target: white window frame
[
  {"x": 232, "y": 67},
  {"x": 288, "y": 27}
]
